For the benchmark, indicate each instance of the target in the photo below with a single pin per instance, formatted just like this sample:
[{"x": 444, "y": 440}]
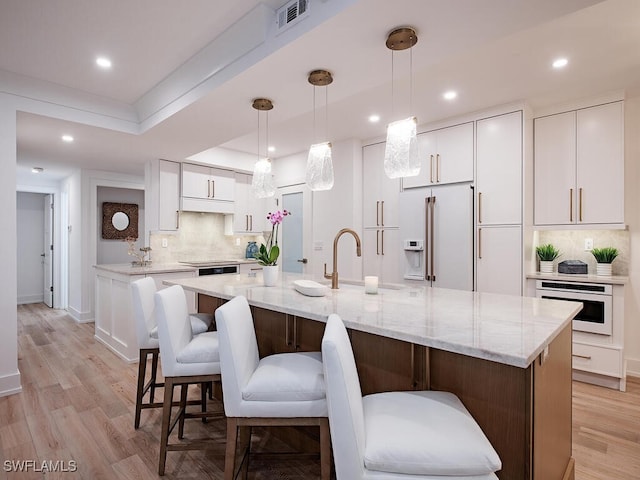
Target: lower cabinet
[
  {"x": 499, "y": 259},
  {"x": 381, "y": 252}
]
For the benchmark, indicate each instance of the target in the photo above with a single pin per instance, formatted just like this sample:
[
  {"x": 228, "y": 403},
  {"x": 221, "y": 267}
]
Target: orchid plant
[{"x": 268, "y": 254}]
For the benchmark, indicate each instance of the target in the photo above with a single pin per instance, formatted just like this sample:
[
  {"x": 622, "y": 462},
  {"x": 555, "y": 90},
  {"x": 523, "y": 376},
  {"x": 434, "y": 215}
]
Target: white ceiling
[{"x": 491, "y": 51}]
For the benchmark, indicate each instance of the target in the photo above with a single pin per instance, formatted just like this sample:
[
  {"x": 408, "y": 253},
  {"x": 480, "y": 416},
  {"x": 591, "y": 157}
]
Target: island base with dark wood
[{"x": 524, "y": 412}]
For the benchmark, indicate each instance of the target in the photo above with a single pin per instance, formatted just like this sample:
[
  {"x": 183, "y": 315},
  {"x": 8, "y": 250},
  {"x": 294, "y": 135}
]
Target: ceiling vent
[{"x": 292, "y": 13}]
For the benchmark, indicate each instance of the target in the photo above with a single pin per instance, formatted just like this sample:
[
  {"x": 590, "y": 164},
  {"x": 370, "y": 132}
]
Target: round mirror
[{"x": 120, "y": 221}]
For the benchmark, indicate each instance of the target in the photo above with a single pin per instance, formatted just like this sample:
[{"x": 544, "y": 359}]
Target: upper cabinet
[
  {"x": 207, "y": 189},
  {"x": 162, "y": 195},
  {"x": 446, "y": 157},
  {"x": 499, "y": 170},
  {"x": 380, "y": 193},
  {"x": 579, "y": 167},
  {"x": 249, "y": 216}
]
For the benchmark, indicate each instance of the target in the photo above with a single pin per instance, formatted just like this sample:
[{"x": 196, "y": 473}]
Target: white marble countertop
[
  {"x": 506, "y": 329},
  {"x": 128, "y": 269},
  {"x": 612, "y": 280}
]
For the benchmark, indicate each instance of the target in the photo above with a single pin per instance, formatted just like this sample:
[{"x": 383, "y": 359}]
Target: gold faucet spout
[{"x": 334, "y": 275}]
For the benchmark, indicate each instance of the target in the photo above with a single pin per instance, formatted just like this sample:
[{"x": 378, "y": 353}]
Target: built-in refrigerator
[{"x": 441, "y": 217}]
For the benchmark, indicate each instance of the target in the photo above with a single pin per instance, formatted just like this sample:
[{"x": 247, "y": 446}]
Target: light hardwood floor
[{"x": 78, "y": 403}]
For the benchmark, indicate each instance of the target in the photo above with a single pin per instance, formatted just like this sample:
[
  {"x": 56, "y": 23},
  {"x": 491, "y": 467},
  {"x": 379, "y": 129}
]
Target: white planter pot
[
  {"x": 603, "y": 269},
  {"x": 546, "y": 266},
  {"x": 270, "y": 275}
]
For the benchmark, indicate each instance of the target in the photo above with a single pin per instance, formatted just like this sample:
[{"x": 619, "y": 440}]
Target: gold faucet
[{"x": 334, "y": 275}]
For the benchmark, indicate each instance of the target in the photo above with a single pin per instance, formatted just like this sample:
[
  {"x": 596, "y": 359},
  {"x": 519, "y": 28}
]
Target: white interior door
[
  {"x": 292, "y": 233},
  {"x": 47, "y": 256}
]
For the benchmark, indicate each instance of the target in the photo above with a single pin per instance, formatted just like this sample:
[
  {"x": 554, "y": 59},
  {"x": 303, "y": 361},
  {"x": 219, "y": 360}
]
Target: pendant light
[
  {"x": 319, "y": 163},
  {"x": 401, "y": 150},
  {"x": 262, "y": 181}
]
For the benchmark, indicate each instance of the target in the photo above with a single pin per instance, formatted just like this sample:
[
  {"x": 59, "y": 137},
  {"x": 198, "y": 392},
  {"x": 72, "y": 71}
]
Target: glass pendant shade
[
  {"x": 262, "y": 181},
  {"x": 320, "y": 167},
  {"x": 401, "y": 157}
]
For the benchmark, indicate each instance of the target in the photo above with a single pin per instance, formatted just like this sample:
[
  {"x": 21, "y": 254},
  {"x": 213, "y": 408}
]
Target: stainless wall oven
[{"x": 597, "y": 300}]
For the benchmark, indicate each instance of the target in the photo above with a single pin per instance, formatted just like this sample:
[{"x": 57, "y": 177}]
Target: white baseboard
[
  {"x": 34, "y": 298},
  {"x": 80, "y": 317},
  {"x": 10, "y": 384},
  {"x": 633, "y": 367}
]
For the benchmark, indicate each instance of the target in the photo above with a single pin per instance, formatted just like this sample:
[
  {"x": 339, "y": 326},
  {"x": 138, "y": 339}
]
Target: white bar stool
[
  {"x": 186, "y": 360},
  {"x": 285, "y": 389},
  {"x": 426, "y": 435}
]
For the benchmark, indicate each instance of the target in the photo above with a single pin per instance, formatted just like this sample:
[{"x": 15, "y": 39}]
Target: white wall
[
  {"x": 30, "y": 237},
  {"x": 340, "y": 207},
  {"x": 115, "y": 251},
  {"x": 9, "y": 373}
]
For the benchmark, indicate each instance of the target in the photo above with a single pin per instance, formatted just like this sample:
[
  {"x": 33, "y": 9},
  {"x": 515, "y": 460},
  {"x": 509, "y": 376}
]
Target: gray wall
[{"x": 115, "y": 251}]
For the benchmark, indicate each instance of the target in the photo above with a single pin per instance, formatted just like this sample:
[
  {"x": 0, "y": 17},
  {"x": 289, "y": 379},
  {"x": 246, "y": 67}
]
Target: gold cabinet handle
[
  {"x": 382, "y": 213},
  {"x": 571, "y": 204},
  {"x": 287, "y": 334},
  {"x": 580, "y": 204},
  {"x": 377, "y": 242},
  {"x": 382, "y": 236},
  {"x": 479, "y": 243},
  {"x": 251, "y": 222},
  {"x": 378, "y": 213},
  {"x": 586, "y": 357},
  {"x": 177, "y": 219},
  {"x": 438, "y": 168},
  {"x": 213, "y": 188},
  {"x": 208, "y": 188},
  {"x": 431, "y": 169},
  {"x": 479, "y": 207}
]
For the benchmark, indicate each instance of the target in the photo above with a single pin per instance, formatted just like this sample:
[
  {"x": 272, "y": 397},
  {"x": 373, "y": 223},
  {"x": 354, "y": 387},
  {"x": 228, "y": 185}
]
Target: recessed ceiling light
[
  {"x": 560, "y": 63},
  {"x": 450, "y": 95},
  {"x": 37, "y": 170},
  {"x": 271, "y": 148},
  {"x": 374, "y": 118},
  {"x": 67, "y": 138},
  {"x": 103, "y": 62}
]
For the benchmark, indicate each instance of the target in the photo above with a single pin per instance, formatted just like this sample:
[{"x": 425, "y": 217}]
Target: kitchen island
[{"x": 508, "y": 358}]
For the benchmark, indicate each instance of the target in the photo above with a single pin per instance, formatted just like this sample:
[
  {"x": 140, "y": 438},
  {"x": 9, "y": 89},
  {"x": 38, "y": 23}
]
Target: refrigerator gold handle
[
  {"x": 377, "y": 242},
  {"x": 480, "y": 243},
  {"x": 580, "y": 204},
  {"x": 382, "y": 213},
  {"x": 479, "y": 207},
  {"x": 427, "y": 206},
  {"x": 438, "y": 168},
  {"x": 382, "y": 236},
  {"x": 377, "y": 213},
  {"x": 432, "y": 242},
  {"x": 571, "y": 204}
]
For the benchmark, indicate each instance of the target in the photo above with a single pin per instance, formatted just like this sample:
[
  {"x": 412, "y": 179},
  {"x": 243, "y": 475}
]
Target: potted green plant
[
  {"x": 547, "y": 254},
  {"x": 604, "y": 256}
]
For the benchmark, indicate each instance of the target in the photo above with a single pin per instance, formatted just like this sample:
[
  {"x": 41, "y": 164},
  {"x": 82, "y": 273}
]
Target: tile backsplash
[
  {"x": 200, "y": 237},
  {"x": 571, "y": 246}
]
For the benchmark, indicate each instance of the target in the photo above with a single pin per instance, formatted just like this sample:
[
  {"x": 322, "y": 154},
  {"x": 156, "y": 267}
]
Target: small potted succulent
[
  {"x": 604, "y": 256},
  {"x": 547, "y": 254}
]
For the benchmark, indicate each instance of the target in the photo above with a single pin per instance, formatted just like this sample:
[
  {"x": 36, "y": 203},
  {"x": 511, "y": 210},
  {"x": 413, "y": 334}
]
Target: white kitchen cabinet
[
  {"x": 446, "y": 157},
  {"x": 207, "y": 189},
  {"x": 381, "y": 251},
  {"x": 499, "y": 259},
  {"x": 162, "y": 195},
  {"x": 499, "y": 170},
  {"x": 250, "y": 268},
  {"x": 380, "y": 193},
  {"x": 248, "y": 216},
  {"x": 579, "y": 167}
]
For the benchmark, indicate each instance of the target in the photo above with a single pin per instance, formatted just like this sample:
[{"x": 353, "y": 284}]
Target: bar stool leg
[
  {"x": 154, "y": 374},
  {"x": 184, "y": 389},
  {"x": 166, "y": 420},
  {"x": 325, "y": 450},
  {"x": 142, "y": 372},
  {"x": 230, "y": 453}
]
